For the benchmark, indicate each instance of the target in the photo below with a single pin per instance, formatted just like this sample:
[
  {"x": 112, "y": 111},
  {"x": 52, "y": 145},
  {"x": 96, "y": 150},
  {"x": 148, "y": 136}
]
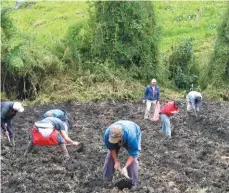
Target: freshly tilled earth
[{"x": 196, "y": 159}]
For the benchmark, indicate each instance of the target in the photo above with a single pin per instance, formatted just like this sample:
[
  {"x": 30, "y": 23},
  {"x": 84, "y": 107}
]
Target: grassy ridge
[{"x": 48, "y": 21}]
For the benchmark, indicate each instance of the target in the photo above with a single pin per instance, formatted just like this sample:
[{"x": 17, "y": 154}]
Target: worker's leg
[
  {"x": 148, "y": 106},
  {"x": 29, "y": 148},
  {"x": 108, "y": 168},
  {"x": 153, "y": 106},
  {"x": 166, "y": 129},
  {"x": 63, "y": 147},
  {"x": 189, "y": 106},
  {"x": 133, "y": 172},
  {"x": 64, "y": 150}
]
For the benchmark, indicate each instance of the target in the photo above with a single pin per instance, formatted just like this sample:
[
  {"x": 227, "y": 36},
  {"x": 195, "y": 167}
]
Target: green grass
[
  {"x": 181, "y": 20},
  {"x": 48, "y": 22}
]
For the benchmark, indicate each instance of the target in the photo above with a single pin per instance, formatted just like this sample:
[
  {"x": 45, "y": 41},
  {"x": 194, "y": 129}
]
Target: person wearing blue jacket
[
  {"x": 125, "y": 134},
  {"x": 60, "y": 114},
  {"x": 151, "y": 97},
  {"x": 8, "y": 110}
]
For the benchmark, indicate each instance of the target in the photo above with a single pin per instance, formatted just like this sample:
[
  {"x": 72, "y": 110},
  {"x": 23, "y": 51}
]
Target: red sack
[
  {"x": 156, "y": 116},
  {"x": 40, "y": 140}
]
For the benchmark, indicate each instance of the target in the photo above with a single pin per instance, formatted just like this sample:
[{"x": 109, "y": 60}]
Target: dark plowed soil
[{"x": 194, "y": 160}]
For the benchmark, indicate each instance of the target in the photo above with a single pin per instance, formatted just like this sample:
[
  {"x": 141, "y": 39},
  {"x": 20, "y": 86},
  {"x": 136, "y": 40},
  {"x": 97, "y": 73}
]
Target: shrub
[
  {"x": 218, "y": 68},
  {"x": 125, "y": 33},
  {"x": 182, "y": 67},
  {"x": 25, "y": 62}
]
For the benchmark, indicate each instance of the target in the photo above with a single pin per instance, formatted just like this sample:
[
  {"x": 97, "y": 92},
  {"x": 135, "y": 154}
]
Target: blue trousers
[{"x": 166, "y": 128}]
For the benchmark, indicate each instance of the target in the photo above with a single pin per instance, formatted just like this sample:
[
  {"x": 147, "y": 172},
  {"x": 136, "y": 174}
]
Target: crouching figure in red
[{"x": 50, "y": 132}]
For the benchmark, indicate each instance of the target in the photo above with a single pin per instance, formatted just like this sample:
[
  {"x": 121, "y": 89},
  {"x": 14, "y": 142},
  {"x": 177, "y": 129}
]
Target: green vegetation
[
  {"x": 125, "y": 34},
  {"x": 24, "y": 61},
  {"x": 182, "y": 66},
  {"x": 56, "y": 51},
  {"x": 218, "y": 69}
]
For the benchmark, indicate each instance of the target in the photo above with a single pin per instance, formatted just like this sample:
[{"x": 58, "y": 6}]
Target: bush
[
  {"x": 182, "y": 68},
  {"x": 125, "y": 33},
  {"x": 77, "y": 45},
  {"x": 25, "y": 62},
  {"x": 218, "y": 68}
]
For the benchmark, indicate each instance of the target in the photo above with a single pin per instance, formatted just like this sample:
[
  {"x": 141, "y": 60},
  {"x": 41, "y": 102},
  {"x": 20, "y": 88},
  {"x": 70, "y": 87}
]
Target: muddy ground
[{"x": 194, "y": 160}]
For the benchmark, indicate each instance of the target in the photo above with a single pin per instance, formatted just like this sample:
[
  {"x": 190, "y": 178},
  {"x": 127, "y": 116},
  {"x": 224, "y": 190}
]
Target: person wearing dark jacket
[
  {"x": 8, "y": 110},
  {"x": 151, "y": 97}
]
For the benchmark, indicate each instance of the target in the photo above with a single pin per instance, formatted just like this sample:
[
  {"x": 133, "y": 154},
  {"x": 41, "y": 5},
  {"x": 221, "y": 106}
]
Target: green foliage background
[
  {"x": 218, "y": 68},
  {"x": 55, "y": 51}
]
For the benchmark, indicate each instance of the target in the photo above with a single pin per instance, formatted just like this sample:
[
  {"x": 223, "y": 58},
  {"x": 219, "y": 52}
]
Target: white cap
[{"x": 17, "y": 106}]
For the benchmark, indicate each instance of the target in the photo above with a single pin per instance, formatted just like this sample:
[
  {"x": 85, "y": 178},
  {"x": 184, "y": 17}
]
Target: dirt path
[{"x": 195, "y": 158}]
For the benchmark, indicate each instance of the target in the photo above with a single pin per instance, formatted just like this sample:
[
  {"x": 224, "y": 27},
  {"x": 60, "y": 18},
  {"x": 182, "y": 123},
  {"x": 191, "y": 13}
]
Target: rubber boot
[
  {"x": 29, "y": 148},
  {"x": 65, "y": 151}
]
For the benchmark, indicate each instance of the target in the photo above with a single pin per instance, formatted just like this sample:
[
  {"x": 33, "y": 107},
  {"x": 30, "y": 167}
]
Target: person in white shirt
[{"x": 194, "y": 100}]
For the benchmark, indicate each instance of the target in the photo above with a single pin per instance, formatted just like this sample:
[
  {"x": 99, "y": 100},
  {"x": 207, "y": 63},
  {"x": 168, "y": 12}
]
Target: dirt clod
[{"x": 194, "y": 160}]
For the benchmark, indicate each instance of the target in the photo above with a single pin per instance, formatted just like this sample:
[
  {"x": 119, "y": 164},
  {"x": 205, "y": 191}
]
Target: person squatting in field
[
  {"x": 194, "y": 100},
  {"x": 151, "y": 97},
  {"x": 60, "y": 114},
  {"x": 8, "y": 111},
  {"x": 168, "y": 110},
  {"x": 125, "y": 134},
  {"x": 50, "y": 132}
]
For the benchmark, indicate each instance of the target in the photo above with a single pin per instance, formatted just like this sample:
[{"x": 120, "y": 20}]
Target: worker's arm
[
  {"x": 4, "y": 112},
  {"x": 67, "y": 139},
  {"x": 133, "y": 150},
  {"x": 174, "y": 112},
  {"x": 115, "y": 158},
  {"x": 3, "y": 125},
  {"x": 129, "y": 161}
]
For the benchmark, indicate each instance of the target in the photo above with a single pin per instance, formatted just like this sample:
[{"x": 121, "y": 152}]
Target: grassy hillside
[
  {"x": 48, "y": 23},
  {"x": 181, "y": 20}
]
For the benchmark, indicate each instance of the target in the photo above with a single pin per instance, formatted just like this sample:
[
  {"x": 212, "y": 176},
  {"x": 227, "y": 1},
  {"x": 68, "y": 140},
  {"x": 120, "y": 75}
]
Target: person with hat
[
  {"x": 151, "y": 97},
  {"x": 194, "y": 100},
  {"x": 125, "y": 134},
  {"x": 8, "y": 110},
  {"x": 60, "y": 114},
  {"x": 168, "y": 110},
  {"x": 50, "y": 132}
]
